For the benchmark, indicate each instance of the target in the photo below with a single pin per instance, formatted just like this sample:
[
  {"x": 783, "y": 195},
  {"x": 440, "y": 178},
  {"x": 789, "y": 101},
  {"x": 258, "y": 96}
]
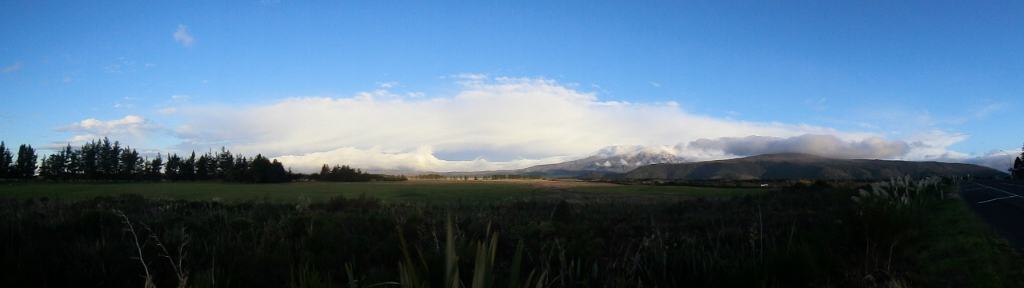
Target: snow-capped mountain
[{"x": 612, "y": 159}]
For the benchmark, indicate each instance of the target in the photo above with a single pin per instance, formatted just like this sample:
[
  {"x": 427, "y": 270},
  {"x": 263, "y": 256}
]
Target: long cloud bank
[{"x": 509, "y": 123}]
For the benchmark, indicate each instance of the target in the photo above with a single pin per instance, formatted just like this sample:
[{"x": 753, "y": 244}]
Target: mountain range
[
  {"x": 610, "y": 160},
  {"x": 805, "y": 166}
]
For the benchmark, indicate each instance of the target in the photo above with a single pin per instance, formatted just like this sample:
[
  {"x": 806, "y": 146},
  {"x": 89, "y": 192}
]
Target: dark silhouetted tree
[
  {"x": 88, "y": 158},
  {"x": 6, "y": 161},
  {"x": 188, "y": 168},
  {"x": 225, "y": 165},
  {"x": 173, "y": 168},
  {"x": 1018, "y": 168},
  {"x": 203, "y": 171},
  {"x": 1017, "y": 172},
  {"x": 345, "y": 173},
  {"x": 25, "y": 166},
  {"x": 129, "y": 165},
  {"x": 153, "y": 168}
]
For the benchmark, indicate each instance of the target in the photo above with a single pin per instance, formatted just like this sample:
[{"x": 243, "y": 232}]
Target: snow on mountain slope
[{"x": 615, "y": 159}]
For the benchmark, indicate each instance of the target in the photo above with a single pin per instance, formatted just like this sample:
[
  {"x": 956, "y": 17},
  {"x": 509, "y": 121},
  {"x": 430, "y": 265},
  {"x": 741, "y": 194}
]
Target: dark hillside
[{"x": 804, "y": 166}]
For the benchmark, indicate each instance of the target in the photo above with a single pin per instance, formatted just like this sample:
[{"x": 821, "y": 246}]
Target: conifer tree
[
  {"x": 173, "y": 168},
  {"x": 225, "y": 164},
  {"x": 1018, "y": 168},
  {"x": 187, "y": 171},
  {"x": 25, "y": 166},
  {"x": 6, "y": 161},
  {"x": 1017, "y": 172},
  {"x": 72, "y": 165},
  {"x": 153, "y": 168}
]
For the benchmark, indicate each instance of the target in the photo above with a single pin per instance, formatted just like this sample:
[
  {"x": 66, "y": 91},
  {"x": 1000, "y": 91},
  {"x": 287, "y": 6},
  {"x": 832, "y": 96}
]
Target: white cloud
[
  {"x": 1000, "y": 159},
  {"x": 507, "y": 122},
  {"x": 183, "y": 37},
  {"x": 131, "y": 128},
  {"x": 11, "y": 68},
  {"x": 822, "y": 145},
  {"x": 420, "y": 159}
]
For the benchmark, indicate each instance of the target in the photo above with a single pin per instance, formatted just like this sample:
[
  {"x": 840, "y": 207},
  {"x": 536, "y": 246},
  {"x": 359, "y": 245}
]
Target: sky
[{"x": 478, "y": 85}]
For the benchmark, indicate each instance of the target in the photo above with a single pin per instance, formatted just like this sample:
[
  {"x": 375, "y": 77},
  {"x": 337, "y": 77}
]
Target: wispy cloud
[
  {"x": 178, "y": 98},
  {"x": 121, "y": 65},
  {"x": 818, "y": 104},
  {"x": 988, "y": 108},
  {"x": 11, "y": 68},
  {"x": 183, "y": 37}
]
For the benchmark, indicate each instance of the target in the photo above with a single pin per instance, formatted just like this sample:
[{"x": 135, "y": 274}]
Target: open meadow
[
  {"x": 493, "y": 234},
  {"x": 416, "y": 191}
]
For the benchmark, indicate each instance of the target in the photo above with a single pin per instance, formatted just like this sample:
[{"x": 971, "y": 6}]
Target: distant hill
[
  {"x": 610, "y": 160},
  {"x": 804, "y": 166}
]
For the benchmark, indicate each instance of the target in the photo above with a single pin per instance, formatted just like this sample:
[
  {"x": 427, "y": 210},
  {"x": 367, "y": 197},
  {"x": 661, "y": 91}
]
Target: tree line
[
  {"x": 345, "y": 173},
  {"x": 103, "y": 160},
  {"x": 477, "y": 177},
  {"x": 106, "y": 160},
  {"x": 25, "y": 165}
]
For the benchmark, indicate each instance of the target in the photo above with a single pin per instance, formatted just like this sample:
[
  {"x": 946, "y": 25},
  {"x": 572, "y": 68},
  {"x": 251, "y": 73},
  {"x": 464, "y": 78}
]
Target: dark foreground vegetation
[{"x": 901, "y": 233}]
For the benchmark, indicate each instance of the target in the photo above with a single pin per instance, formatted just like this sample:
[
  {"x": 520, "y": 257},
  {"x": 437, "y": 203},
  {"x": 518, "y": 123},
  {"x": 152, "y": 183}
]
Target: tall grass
[{"x": 815, "y": 236}]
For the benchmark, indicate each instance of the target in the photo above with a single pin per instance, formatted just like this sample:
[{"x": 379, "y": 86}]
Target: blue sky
[{"x": 907, "y": 71}]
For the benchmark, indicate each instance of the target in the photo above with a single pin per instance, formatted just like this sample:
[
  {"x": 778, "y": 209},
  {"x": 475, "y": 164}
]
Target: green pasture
[{"x": 408, "y": 191}]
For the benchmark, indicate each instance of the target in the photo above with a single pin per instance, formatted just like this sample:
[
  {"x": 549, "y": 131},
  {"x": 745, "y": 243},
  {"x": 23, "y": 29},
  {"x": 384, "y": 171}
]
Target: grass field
[
  {"x": 393, "y": 192},
  {"x": 602, "y": 235}
]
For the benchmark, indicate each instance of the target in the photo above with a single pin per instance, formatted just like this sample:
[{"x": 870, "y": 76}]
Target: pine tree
[
  {"x": 89, "y": 160},
  {"x": 173, "y": 168},
  {"x": 25, "y": 166},
  {"x": 1017, "y": 172},
  {"x": 202, "y": 168},
  {"x": 128, "y": 164},
  {"x": 52, "y": 166},
  {"x": 225, "y": 165},
  {"x": 276, "y": 172},
  {"x": 241, "y": 171},
  {"x": 45, "y": 169},
  {"x": 72, "y": 163},
  {"x": 1018, "y": 169},
  {"x": 188, "y": 168},
  {"x": 153, "y": 168},
  {"x": 259, "y": 169},
  {"x": 6, "y": 161},
  {"x": 325, "y": 173}
]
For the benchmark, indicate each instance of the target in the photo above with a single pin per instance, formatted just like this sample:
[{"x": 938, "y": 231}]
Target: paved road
[{"x": 1001, "y": 204}]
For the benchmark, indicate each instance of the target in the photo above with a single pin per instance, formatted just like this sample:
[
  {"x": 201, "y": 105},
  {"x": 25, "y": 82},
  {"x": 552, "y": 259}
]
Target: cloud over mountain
[
  {"x": 504, "y": 123},
  {"x": 822, "y": 145}
]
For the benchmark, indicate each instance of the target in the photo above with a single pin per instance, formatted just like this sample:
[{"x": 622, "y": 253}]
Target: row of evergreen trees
[
  {"x": 106, "y": 160},
  {"x": 23, "y": 168},
  {"x": 348, "y": 174}
]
